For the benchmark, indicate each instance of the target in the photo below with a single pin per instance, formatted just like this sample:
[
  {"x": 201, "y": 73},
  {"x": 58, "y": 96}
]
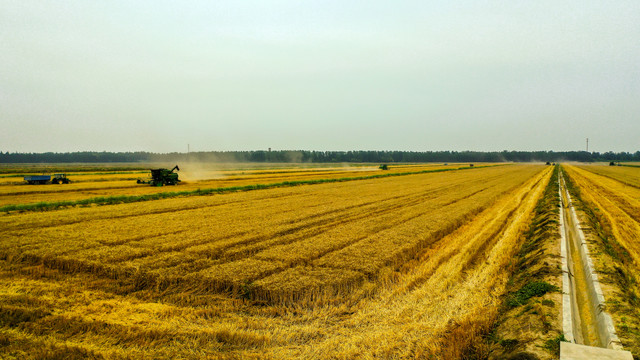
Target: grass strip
[
  {"x": 123, "y": 199},
  {"x": 535, "y": 288}
]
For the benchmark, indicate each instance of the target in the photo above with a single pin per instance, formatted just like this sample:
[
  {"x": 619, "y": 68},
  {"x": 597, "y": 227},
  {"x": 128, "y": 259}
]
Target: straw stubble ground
[{"x": 373, "y": 268}]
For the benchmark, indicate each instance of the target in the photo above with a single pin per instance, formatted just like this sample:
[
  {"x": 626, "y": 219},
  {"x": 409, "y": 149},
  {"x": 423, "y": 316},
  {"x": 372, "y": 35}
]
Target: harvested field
[{"x": 383, "y": 267}]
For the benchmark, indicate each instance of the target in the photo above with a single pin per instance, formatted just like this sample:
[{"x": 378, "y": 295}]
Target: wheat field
[
  {"x": 194, "y": 176},
  {"x": 615, "y": 191},
  {"x": 374, "y": 268}
]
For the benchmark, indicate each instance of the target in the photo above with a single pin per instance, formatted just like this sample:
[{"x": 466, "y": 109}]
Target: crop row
[
  {"x": 330, "y": 237},
  {"x": 432, "y": 304},
  {"x": 193, "y": 180},
  {"x": 47, "y": 197}
]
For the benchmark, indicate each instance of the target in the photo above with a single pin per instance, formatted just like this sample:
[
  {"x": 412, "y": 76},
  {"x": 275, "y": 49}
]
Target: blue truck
[{"x": 44, "y": 179}]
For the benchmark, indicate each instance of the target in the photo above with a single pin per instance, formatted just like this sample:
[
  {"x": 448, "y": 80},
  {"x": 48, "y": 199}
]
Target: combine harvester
[
  {"x": 44, "y": 179},
  {"x": 161, "y": 177}
]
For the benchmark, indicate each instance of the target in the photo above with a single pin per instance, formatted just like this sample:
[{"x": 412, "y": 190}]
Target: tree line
[{"x": 307, "y": 156}]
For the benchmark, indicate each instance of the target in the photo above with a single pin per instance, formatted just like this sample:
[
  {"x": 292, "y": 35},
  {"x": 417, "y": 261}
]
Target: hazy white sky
[{"x": 319, "y": 75}]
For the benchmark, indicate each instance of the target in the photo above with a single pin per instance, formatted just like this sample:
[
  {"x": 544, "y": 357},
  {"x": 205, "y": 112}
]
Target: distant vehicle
[
  {"x": 37, "y": 179},
  {"x": 384, "y": 167},
  {"x": 60, "y": 179},
  {"x": 44, "y": 179},
  {"x": 161, "y": 177}
]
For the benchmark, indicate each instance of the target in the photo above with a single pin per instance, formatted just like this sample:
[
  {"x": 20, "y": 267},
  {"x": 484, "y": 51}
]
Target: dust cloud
[{"x": 198, "y": 171}]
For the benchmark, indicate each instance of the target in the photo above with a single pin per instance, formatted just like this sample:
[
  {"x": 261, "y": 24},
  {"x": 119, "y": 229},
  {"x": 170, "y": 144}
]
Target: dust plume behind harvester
[{"x": 161, "y": 177}]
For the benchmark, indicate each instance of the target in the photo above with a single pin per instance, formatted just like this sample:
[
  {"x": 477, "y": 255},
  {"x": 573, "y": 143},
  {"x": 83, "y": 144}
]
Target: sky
[{"x": 162, "y": 76}]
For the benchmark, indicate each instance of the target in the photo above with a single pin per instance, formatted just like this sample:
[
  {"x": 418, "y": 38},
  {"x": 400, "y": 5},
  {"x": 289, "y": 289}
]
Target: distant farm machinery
[
  {"x": 161, "y": 177},
  {"x": 45, "y": 179}
]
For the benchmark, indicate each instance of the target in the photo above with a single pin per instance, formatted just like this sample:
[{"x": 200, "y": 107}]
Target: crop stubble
[
  {"x": 304, "y": 233},
  {"x": 616, "y": 194},
  {"x": 386, "y": 256},
  {"x": 13, "y": 190}
]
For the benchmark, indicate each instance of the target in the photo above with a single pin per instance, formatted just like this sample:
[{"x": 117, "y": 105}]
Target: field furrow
[
  {"x": 358, "y": 226},
  {"x": 376, "y": 268}
]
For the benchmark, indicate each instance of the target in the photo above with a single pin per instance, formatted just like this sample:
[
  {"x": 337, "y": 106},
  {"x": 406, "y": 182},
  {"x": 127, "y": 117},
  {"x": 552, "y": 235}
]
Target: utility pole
[{"x": 587, "y": 144}]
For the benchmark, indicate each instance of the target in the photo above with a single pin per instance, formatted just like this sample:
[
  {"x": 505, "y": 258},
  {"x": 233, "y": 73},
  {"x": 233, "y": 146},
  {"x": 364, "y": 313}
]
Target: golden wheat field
[
  {"x": 411, "y": 266},
  {"x": 86, "y": 184},
  {"x": 615, "y": 191}
]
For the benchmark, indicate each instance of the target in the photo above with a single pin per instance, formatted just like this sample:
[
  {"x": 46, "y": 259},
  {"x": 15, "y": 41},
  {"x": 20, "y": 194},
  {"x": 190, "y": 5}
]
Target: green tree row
[{"x": 289, "y": 156}]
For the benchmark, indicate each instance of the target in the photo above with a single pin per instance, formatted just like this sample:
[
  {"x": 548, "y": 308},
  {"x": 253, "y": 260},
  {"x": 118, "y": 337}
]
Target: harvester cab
[{"x": 161, "y": 177}]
